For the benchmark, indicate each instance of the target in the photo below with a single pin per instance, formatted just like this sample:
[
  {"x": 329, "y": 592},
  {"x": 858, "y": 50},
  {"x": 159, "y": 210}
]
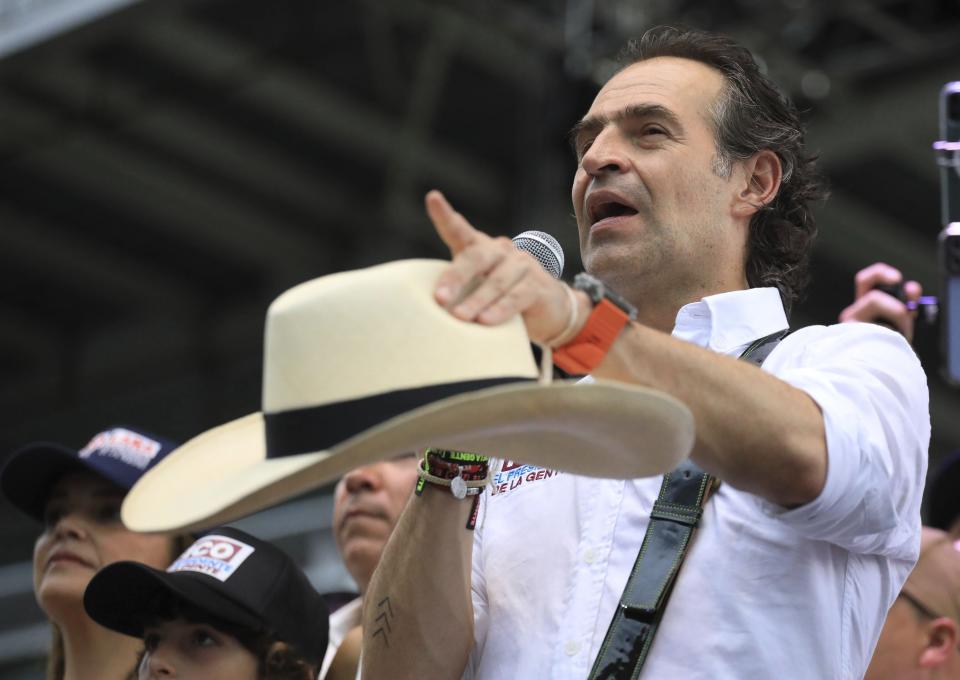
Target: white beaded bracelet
[{"x": 571, "y": 320}]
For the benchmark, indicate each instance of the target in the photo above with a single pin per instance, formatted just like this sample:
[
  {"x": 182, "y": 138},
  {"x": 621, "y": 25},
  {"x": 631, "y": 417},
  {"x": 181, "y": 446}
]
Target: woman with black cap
[
  {"x": 77, "y": 496},
  {"x": 232, "y": 607}
]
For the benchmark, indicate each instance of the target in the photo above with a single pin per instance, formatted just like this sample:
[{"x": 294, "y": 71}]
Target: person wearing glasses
[{"x": 920, "y": 636}]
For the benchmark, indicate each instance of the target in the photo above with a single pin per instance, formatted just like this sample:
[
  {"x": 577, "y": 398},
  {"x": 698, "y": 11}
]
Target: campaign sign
[{"x": 216, "y": 556}]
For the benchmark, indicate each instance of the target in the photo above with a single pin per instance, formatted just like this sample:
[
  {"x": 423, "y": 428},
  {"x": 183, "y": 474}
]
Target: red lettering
[{"x": 221, "y": 550}]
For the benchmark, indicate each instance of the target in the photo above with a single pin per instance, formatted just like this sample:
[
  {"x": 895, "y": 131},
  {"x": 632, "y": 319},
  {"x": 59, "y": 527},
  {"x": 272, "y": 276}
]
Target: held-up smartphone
[
  {"x": 949, "y": 161},
  {"x": 949, "y": 262},
  {"x": 949, "y": 242}
]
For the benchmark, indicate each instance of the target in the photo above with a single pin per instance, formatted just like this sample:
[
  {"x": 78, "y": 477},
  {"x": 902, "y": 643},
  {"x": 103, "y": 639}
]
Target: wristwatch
[{"x": 610, "y": 314}]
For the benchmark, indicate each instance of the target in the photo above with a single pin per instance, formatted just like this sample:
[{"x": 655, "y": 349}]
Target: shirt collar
[{"x": 730, "y": 321}]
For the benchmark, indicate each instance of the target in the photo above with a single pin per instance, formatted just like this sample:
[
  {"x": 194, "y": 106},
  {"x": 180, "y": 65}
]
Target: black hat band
[{"x": 317, "y": 428}]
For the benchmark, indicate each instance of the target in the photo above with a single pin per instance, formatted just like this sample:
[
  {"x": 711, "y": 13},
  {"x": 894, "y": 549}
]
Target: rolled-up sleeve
[{"x": 873, "y": 394}]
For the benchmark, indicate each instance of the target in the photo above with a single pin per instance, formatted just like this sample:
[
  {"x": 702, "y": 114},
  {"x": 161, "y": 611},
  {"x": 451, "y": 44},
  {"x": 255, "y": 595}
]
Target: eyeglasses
[{"x": 919, "y": 606}]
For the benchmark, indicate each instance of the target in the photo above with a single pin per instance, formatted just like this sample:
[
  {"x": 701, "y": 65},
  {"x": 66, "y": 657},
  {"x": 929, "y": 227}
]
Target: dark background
[{"x": 168, "y": 169}]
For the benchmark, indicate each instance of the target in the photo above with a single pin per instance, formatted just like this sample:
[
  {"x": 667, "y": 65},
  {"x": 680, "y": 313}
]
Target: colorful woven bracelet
[{"x": 464, "y": 473}]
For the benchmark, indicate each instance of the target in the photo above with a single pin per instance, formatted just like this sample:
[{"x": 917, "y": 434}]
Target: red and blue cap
[{"x": 120, "y": 454}]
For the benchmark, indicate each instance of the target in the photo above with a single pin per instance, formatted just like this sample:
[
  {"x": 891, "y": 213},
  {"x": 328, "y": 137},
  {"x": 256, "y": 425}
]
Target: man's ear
[
  {"x": 760, "y": 182},
  {"x": 942, "y": 639}
]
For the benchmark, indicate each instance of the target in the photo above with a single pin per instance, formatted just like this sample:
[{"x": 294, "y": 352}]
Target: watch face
[{"x": 590, "y": 285}]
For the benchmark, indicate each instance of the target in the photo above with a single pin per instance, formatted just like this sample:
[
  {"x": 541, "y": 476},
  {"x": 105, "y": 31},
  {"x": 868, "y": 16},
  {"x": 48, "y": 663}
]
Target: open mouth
[{"x": 607, "y": 208}]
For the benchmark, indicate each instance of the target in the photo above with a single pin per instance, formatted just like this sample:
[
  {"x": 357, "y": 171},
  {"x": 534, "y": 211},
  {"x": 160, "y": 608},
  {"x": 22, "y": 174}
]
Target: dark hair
[
  {"x": 752, "y": 114},
  {"x": 276, "y": 660}
]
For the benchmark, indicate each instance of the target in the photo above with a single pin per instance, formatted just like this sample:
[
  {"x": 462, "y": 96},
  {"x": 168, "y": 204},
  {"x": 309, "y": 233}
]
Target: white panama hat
[{"x": 364, "y": 365}]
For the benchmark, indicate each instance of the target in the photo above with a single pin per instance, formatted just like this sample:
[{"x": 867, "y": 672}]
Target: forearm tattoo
[{"x": 384, "y": 616}]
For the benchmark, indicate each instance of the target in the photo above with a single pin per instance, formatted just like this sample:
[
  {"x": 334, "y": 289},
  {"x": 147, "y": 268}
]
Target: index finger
[{"x": 452, "y": 227}]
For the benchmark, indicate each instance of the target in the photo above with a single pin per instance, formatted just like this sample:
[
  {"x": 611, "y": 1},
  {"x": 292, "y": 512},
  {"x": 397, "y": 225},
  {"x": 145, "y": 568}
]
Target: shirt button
[
  {"x": 589, "y": 556},
  {"x": 571, "y": 648}
]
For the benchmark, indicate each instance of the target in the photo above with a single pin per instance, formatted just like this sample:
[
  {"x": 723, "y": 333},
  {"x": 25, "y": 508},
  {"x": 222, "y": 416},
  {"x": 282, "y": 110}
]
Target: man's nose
[
  {"x": 607, "y": 153},
  {"x": 366, "y": 478}
]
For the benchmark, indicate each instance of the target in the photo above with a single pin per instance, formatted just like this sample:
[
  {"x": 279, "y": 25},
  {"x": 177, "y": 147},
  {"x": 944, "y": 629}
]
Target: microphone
[{"x": 544, "y": 248}]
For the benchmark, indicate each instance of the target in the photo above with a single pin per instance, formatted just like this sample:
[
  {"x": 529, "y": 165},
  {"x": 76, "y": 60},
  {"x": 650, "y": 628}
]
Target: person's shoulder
[
  {"x": 864, "y": 344},
  {"x": 850, "y": 335}
]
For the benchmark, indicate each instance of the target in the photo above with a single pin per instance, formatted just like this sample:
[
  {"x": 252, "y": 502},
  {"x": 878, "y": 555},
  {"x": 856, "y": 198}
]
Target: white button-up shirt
[
  {"x": 342, "y": 622},
  {"x": 764, "y": 592}
]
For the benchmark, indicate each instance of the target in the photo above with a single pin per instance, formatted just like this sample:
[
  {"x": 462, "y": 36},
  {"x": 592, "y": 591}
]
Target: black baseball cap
[
  {"x": 227, "y": 573},
  {"x": 121, "y": 454}
]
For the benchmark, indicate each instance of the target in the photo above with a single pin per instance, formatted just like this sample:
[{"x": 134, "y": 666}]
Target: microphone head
[{"x": 544, "y": 248}]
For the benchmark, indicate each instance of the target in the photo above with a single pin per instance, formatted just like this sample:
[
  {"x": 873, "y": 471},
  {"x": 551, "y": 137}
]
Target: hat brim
[
  {"x": 120, "y": 597},
  {"x": 603, "y": 429},
  {"x": 31, "y": 471}
]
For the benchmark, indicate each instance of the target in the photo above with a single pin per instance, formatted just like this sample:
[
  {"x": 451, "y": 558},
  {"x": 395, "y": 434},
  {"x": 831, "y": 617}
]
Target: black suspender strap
[
  {"x": 672, "y": 521},
  {"x": 758, "y": 352},
  {"x": 674, "y": 518}
]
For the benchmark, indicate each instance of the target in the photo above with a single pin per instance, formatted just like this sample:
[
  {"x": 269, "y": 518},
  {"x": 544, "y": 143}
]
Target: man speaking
[{"x": 691, "y": 198}]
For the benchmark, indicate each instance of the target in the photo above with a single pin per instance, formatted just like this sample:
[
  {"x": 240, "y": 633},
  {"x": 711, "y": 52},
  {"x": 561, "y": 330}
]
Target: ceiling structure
[{"x": 168, "y": 169}]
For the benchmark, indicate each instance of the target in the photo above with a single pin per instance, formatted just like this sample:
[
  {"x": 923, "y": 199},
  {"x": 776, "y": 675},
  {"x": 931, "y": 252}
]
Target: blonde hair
[{"x": 56, "y": 661}]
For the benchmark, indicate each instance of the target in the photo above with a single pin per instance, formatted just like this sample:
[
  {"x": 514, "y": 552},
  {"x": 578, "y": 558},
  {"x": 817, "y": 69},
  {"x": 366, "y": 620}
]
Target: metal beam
[
  {"x": 26, "y": 22},
  {"x": 512, "y": 48},
  {"x": 318, "y": 111},
  {"x": 99, "y": 268},
  {"x": 428, "y": 82},
  {"x": 194, "y": 136},
  {"x": 182, "y": 208}
]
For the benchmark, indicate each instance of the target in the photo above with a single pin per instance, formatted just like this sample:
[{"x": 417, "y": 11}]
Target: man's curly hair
[{"x": 752, "y": 114}]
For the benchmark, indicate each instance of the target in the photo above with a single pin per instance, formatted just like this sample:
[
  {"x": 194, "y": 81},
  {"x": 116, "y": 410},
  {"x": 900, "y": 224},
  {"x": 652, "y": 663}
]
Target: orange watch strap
[{"x": 585, "y": 352}]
